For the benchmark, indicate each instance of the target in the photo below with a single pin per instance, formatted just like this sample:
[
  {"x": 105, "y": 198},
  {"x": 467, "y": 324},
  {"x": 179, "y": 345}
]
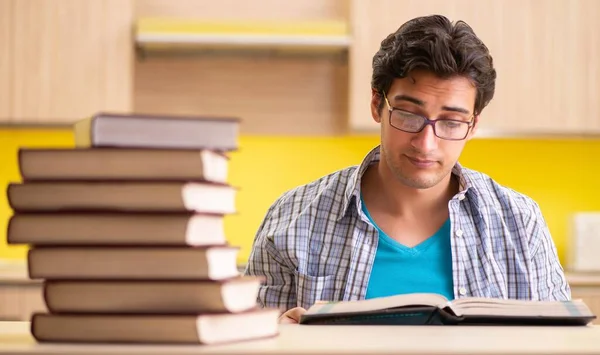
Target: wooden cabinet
[
  {"x": 547, "y": 56},
  {"x": 234, "y": 9},
  {"x": 68, "y": 58},
  {"x": 5, "y": 59},
  {"x": 19, "y": 300},
  {"x": 274, "y": 93},
  {"x": 19, "y": 296}
]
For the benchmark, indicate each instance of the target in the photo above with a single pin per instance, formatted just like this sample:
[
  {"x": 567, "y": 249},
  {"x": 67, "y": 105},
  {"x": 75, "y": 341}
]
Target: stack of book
[{"x": 126, "y": 230}]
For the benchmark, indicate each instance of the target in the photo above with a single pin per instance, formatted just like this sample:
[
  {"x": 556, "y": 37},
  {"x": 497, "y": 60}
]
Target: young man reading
[{"x": 410, "y": 218}]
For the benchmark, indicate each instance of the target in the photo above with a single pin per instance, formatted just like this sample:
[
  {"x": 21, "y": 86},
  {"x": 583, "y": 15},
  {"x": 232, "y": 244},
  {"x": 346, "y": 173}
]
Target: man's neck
[{"x": 404, "y": 201}]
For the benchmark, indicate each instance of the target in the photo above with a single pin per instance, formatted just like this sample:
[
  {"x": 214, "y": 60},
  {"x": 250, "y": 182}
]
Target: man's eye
[
  {"x": 451, "y": 124},
  {"x": 408, "y": 115}
]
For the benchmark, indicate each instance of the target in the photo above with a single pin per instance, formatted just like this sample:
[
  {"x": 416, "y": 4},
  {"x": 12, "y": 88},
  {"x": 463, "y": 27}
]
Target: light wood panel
[
  {"x": 235, "y": 9},
  {"x": 272, "y": 95},
  {"x": 9, "y": 303},
  {"x": 5, "y": 59},
  {"x": 70, "y": 59},
  {"x": 19, "y": 296},
  {"x": 20, "y": 300},
  {"x": 547, "y": 55}
]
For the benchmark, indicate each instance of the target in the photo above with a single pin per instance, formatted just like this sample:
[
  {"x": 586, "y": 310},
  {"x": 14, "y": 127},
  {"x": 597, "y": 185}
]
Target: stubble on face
[{"x": 400, "y": 168}]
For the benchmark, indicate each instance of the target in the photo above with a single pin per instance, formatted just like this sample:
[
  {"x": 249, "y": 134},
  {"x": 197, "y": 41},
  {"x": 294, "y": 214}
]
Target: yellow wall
[{"x": 562, "y": 175}]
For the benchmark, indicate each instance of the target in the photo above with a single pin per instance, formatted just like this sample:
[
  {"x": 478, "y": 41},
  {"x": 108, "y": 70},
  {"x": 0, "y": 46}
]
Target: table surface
[{"x": 309, "y": 340}]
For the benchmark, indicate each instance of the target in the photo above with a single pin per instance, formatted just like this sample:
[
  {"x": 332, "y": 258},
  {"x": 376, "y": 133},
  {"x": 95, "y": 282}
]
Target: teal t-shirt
[{"x": 398, "y": 269}]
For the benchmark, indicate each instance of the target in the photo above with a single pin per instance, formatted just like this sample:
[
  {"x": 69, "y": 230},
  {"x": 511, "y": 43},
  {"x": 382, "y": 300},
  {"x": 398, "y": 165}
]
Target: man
[{"x": 410, "y": 218}]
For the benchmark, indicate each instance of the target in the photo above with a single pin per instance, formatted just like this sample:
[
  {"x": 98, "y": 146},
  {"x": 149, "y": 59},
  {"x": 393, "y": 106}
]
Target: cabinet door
[
  {"x": 547, "y": 56},
  {"x": 5, "y": 59},
  {"x": 70, "y": 59}
]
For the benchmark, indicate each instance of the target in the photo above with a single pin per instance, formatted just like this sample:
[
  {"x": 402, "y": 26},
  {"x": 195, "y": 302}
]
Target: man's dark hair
[{"x": 434, "y": 44}]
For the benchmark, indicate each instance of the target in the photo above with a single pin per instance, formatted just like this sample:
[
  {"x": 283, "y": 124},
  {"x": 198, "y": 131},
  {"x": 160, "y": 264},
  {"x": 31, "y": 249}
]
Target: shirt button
[
  {"x": 459, "y": 233},
  {"x": 462, "y": 291},
  {"x": 461, "y": 197}
]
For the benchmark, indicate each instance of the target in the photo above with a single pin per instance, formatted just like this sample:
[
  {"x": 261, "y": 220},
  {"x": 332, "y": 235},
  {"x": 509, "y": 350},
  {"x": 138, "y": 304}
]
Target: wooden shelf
[
  {"x": 170, "y": 33},
  {"x": 491, "y": 133}
]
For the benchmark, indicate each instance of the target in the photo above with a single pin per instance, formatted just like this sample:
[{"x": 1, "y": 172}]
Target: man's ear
[
  {"x": 474, "y": 128},
  {"x": 375, "y": 102}
]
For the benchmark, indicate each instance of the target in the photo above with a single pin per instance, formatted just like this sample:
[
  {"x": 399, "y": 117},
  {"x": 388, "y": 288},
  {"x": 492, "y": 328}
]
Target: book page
[
  {"x": 374, "y": 304},
  {"x": 502, "y": 307}
]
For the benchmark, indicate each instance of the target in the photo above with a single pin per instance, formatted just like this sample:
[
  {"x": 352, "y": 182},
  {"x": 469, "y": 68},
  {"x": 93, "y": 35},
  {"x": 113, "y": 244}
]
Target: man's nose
[{"x": 426, "y": 140}]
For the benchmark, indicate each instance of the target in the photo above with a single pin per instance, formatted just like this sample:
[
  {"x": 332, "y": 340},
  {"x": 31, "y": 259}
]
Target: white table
[{"x": 330, "y": 340}]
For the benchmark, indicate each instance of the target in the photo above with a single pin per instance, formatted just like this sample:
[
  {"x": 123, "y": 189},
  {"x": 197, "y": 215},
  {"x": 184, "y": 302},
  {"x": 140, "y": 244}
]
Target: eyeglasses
[{"x": 444, "y": 128}]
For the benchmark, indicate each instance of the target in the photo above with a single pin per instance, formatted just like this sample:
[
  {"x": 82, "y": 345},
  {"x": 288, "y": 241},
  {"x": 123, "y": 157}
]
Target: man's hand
[{"x": 292, "y": 316}]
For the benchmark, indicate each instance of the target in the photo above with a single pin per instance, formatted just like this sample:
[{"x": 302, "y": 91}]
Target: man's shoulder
[
  {"x": 327, "y": 190},
  {"x": 495, "y": 194}
]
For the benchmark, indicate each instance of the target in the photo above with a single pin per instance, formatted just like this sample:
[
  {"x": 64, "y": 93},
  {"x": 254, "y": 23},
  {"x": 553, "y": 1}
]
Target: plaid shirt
[{"x": 315, "y": 243}]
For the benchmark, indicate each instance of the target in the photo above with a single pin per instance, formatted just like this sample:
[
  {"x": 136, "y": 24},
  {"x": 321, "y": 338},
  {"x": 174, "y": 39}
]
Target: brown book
[
  {"x": 173, "y": 329},
  {"x": 133, "y": 263},
  {"x": 153, "y": 229},
  {"x": 152, "y": 297},
  {"x": 122, "y": 164},
  {"x": 126, "y": 196},
  {"x": 107, "y": 129}
]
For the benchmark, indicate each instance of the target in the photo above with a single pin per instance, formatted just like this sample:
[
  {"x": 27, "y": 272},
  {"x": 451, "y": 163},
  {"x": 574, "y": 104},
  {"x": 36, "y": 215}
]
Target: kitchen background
[{"x": 304, "y": 106}]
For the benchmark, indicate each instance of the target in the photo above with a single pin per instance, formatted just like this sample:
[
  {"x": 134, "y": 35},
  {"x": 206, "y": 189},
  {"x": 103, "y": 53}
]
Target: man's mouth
[{"x": 422, "y": 163}]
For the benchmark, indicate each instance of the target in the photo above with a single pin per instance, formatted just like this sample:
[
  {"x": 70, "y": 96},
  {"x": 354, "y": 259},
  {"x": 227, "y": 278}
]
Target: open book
[{"x": 432, "y": 309}]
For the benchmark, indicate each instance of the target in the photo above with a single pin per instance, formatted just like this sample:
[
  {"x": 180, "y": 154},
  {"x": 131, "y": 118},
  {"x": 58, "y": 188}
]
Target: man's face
[{"x": 422, "y": 160}]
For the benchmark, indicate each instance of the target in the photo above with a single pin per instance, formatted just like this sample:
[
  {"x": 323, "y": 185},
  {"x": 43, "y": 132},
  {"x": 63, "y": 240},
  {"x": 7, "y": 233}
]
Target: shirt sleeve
[
  {"x": 278, "y": 289},
  {"x": 548, "y": 279}
]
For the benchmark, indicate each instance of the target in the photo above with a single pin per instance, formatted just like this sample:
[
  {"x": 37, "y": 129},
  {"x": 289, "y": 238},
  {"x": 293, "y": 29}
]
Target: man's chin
[{"x": 419, "y": 180}]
